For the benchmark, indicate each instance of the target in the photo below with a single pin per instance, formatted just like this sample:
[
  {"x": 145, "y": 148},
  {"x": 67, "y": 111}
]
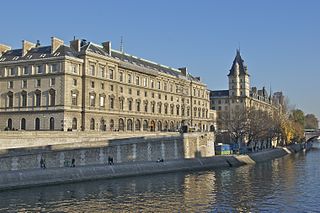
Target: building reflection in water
[{"x": 277, "y": 185}]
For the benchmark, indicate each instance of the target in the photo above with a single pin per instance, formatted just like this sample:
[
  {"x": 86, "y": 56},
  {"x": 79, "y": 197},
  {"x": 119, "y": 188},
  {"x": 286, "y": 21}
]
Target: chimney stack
[
  {"x": 3, "y": 49},
  {"x": 26, "y": 46},
  {"x": 107, "y": 46},
  {"x": 55, "y": 44},
  {"x": 76, "y": 44},
  {"x": 183, "y": 70}
]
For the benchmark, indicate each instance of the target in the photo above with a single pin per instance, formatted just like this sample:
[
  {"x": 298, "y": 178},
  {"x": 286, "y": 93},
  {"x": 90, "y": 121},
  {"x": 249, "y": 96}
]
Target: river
[{"x": 289, "y": 184}]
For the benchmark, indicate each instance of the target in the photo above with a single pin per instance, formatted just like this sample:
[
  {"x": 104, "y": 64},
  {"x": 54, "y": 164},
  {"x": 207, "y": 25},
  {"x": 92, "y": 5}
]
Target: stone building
[
  {"x": 85, "y": 86},
  {"x": 240, "y": 95}
]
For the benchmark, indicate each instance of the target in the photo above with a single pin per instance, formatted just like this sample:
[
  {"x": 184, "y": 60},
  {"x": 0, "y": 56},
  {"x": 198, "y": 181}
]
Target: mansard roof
[
  {"x": 37, "y": 53},
  {"x": 219, "y": 93},
  {"x": 43, "y": 52},
  {"x": 242, "y": 67},
  {"x": 133, "y": 60}
]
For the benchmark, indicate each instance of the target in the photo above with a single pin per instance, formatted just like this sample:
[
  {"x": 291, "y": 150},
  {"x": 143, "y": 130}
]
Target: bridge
[{"x": 311, "y": 134}]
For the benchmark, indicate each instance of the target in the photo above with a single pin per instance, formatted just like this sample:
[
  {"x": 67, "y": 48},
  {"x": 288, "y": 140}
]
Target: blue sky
[{"x": 279, "y": 40}]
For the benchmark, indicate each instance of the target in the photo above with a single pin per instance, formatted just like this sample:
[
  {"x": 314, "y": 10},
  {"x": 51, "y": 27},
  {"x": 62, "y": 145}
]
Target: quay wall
[
  {"x": 37, "y": 177},
  {"x": 97, "y": 151}
]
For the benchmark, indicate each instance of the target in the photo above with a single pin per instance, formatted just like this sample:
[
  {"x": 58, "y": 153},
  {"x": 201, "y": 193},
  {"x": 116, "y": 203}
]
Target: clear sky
[{"x": 279, "y": 40}]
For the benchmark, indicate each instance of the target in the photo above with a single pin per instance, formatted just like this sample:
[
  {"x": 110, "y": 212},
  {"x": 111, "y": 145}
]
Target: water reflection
[{"x": 288, "y": 184}]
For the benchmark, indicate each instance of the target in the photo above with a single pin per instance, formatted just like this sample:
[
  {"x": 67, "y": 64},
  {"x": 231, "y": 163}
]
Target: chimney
[
  {"x": 55, "y": 44},
  {"x": 3, "y": 49},
  {"x": 183, "y": 71},
  {"x": 107, "y": 46},
  {"x": 26, "y": 46},
  {"x": 76, "y": 44}
]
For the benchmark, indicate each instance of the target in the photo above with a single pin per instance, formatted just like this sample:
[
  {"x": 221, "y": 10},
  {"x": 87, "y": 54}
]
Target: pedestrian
[
  {"x": 44, "y": 164},
  {"x": 111, "y": 161},
  {"x": 41, "y": 163},
  {"x": 73, "y": 162}
]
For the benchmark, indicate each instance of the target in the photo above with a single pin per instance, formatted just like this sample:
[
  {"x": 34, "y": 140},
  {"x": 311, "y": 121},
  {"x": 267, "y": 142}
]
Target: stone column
[
  {"x": 149, "y": 152},
  {"x": 175, "y": 149},
  {"x": 163, "y": 151},
  {"x": 61, "y": 159},
  {"x": 134, "y": 152},
  {"x": 118, "y": 154},
  {"x": 101, "y": 156}
]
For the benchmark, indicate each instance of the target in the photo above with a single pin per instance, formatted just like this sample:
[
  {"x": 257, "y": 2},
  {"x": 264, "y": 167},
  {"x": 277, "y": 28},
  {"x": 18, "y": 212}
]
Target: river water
[{"x": 289, "y": 184}]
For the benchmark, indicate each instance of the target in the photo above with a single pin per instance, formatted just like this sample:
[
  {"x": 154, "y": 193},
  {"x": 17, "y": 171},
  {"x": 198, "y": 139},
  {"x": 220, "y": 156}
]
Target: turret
[{"x": 239, "y": 84}]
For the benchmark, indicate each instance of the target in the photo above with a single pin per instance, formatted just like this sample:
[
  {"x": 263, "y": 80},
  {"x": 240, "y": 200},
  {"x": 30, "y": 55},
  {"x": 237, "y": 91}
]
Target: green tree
[
  {"x": 311, "y": 122},
  {"x": 297, "y": 116}
]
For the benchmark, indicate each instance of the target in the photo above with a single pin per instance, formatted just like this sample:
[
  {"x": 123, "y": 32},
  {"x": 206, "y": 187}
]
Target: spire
[{"x": 238, "y": 60}]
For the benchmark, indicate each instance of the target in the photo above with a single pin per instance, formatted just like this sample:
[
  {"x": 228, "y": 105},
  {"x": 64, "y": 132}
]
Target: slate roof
[
  {"x": 242, "y": 67},
  {"x": 45, "y": 52},
  {"x": 37, "y": 53},
  {"x": 219, "y": 93},
  {"x": 133, "y": 60}
]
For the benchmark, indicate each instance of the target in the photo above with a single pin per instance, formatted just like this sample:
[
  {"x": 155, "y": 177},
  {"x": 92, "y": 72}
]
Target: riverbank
[{"x": 38, "y": 177}]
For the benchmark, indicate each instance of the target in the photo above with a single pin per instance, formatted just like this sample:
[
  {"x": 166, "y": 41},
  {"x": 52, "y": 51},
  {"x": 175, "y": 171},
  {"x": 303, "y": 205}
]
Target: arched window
[
  {"x": 37, "y": 98},
  {"x": 23, "y": 98},
  {"x": 10, "y": 124},
  {"x": 130, "y": 105},
  {"x": 92, "y": 124},
  {"x": 165, "y": 126},
  {"x": 178, "y": 109},
  {"x": 103, "y": 126},
  {"x": 165, "y": 109},
  {"x": 129, "y": 125},
  {"x": 137, "y": 125},
  {"x": 171, "y": 126},
  {"x": 152, "y": 126},
  {"x": 37, "y": 124},
  {"x": 145, "y": 125},
  {"x": 138, "y": 106},
  {"x": 111, "y": 125},
  {"x": 52, "y": 100},
  {"x": 146, "y": 106},
  {"x": 159, "y": 126},
  {"x": 121, "y": 124},
  {"x": 74, "y": 124},
  {"x": 23, "y": 124},
  {"x": 10, "y": 99},
  {"x": 159, "y": 108},
  {"x": 51, "y": 123}
]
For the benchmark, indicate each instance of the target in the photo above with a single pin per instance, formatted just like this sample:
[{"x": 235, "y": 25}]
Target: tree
[
  {"x": 234, "y": 123},
  {"x": 297, "y": 124},
  {"x": 311, "y": 122},
  {"x": 297, "y": 116}
]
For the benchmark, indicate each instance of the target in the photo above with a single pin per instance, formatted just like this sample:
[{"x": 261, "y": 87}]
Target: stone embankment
[{"x": 36, "y": 177}]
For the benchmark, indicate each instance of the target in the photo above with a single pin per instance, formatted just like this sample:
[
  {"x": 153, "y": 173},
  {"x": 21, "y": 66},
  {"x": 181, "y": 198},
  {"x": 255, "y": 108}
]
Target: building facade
[
  {"x": 240, "y": 95},
  {"x": 90, "y": 87}
]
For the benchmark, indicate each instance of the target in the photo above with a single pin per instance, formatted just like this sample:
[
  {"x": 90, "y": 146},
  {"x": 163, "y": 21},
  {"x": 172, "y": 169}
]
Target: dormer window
[
  {"x": 39, "y": 69},
  {"x": 12, "y": 71},
  {"x": 92, "y": 70},
  {"x": 26, "y": 70},
  {"x": 42, "y": 55},
  {"x": 54, "y": 67}
]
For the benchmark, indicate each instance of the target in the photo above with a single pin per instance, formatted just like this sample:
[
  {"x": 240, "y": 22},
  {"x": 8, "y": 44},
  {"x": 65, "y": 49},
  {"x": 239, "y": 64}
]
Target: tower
[{"x": 239, "y": 83}]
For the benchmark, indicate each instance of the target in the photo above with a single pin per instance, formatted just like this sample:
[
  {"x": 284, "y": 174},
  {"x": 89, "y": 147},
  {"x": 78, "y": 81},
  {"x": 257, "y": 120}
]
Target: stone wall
[{"x": 174, "y": 146}]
